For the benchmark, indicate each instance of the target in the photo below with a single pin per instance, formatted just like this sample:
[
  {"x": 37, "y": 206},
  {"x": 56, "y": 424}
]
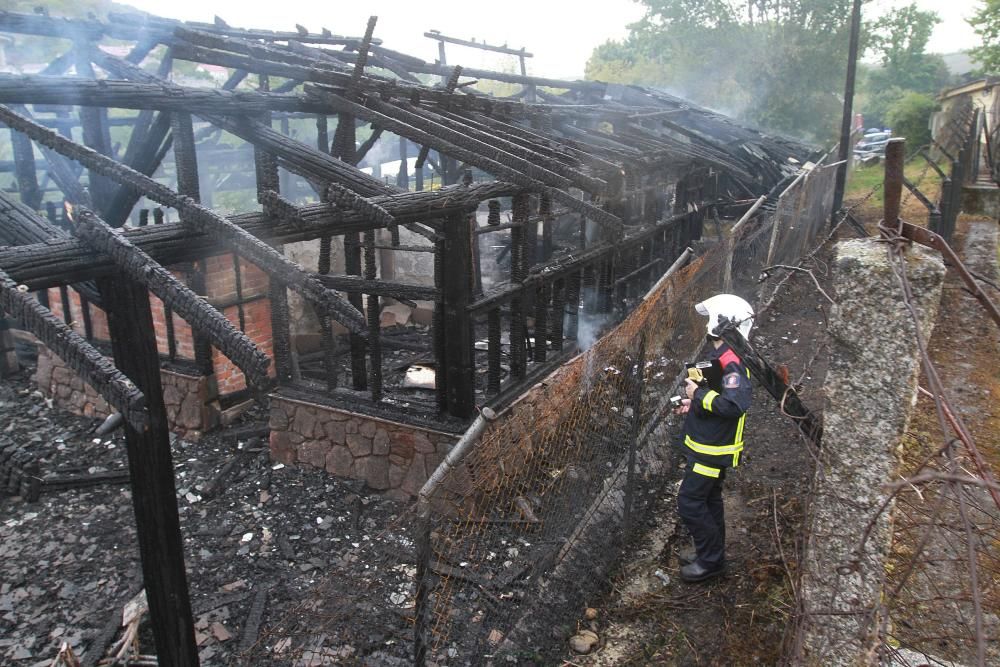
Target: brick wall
[
  {"x": 191, "y": 401},
  {"x": 221, "y": 292}
]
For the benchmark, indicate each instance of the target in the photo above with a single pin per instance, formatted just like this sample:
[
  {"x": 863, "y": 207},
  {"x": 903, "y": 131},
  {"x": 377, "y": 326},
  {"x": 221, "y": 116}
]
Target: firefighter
[{"x": 712, "y": 440}]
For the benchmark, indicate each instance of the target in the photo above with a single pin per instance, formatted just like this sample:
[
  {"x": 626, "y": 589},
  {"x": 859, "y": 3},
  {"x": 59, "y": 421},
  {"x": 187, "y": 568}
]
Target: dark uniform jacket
[{"x": 713, "y": 430}]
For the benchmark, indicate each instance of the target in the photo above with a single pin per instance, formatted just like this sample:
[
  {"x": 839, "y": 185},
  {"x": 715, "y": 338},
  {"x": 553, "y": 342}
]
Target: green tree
[
  {"x": 899, "y": 38},
  {"x": 986, "y": 22},
  {"x": 775, "y": 63},
  {"x": 910, "y": 117}
]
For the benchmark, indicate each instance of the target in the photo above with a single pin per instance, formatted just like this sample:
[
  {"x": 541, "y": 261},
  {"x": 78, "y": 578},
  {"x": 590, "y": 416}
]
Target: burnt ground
[
  {"x": 654, "y": 618},
  {"x": 69, "y": 563}
]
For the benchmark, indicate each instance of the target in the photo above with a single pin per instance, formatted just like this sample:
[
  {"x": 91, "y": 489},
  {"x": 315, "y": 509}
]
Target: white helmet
[{"x": 727, "y": 306}]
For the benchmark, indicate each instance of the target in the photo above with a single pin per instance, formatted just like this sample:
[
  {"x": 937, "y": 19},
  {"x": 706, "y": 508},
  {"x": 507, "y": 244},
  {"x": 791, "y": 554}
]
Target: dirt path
[{"x": 933, "y": 612}]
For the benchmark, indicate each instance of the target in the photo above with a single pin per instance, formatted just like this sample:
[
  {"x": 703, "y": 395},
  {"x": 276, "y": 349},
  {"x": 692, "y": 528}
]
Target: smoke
[
  {"x": 589, "y": 329},
  {"x": 590, "y": 324}
]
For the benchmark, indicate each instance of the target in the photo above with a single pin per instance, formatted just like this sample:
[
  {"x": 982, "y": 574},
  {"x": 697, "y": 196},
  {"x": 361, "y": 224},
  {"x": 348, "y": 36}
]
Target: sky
[{"x": 560, "y": 33}]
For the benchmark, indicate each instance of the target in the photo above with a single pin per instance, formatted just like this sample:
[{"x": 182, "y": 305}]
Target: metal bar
[
  {"x": 938, "y": 242},
  {"x": 892, "y": 187}
]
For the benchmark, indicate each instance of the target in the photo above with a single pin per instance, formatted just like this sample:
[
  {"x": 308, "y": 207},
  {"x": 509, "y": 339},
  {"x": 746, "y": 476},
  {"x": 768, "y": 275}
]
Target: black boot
[
  {"x": 687, "y": 555},
  {"x": 695, "y": 572}
]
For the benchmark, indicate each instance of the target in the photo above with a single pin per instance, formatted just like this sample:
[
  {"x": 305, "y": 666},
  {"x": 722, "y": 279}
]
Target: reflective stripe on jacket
[{"x": 713, "y": 430}]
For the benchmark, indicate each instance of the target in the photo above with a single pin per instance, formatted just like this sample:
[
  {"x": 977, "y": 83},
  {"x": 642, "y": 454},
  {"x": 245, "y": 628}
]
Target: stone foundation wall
[
  {"x": 390, "y": 457},
  {"x": 191, "y": 408}
]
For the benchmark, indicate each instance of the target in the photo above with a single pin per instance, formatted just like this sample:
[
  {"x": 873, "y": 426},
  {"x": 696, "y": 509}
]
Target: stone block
[
  {"x": 189, "y": 415},
  {"x": 43, "y": 373},
  {"x": 305, "y": 422},
  {"x": 282, "y": 450},
  {"x": 61, "y": 374},
  {"x": 334, "y": 432},
  {"x": 340, "y": 462},
  {"x": 415, "y": 476},
  {"x": 421, "y": 443},
  {"x": 314, "y": 453},
  {"x": 380, "y": 443},
  {"x": 402, "y": 446},
  {"x": 397, "y": 473},
  {"x": 367, "y": 428},
  {"x": 374, "y": 470},
  {"x": 279, "y": 420},
  {"x": 359, "y": 445},
  {"x": 172, "y": 395}
]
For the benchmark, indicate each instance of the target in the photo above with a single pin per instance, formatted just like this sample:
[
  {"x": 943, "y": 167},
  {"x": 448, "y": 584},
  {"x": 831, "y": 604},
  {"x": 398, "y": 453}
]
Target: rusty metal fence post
[{"x": 420, "y": 639}]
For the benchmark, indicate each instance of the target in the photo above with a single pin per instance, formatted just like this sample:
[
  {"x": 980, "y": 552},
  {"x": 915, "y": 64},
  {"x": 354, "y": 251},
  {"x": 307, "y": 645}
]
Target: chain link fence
[{"x": 525, "y": 530}]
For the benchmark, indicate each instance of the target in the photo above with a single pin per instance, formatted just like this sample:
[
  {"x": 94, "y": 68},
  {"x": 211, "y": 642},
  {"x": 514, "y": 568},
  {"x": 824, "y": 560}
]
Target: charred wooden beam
[
  {"x": 199, "y": 217},
  {"x": 457, "y": 322},
  {"x": 564, "y": 264},
  {"x": 148, "y": 23},
  {"x": 359, "y": 285},
  {"x": 463, "y": 126},
  {"x": 61, "y": 261},
  {"x": 124, "y": 94},
  {"x": 25, "y": 170},
  {"x": 501, "y": 164},
  {"x": 118, "y": 390},
  {"x": 204, "y": 319},
  {"x": 299, "y": 158}
]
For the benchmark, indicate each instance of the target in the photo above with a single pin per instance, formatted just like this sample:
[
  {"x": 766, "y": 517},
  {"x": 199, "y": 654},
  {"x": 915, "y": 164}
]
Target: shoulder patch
[
  {"x": 731, "y": 381},
  {"x": 729, "y": 357}
]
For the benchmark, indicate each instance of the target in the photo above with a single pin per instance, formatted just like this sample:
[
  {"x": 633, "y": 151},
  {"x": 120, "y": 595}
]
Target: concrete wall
[{"x": 870, "y": 393}]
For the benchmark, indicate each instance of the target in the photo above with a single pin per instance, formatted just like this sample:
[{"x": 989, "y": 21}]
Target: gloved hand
[{"x": 690, "y": 386}]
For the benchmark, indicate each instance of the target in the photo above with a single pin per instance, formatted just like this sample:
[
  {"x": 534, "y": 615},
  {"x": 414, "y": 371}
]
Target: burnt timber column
[
  {"x": 458, "y": 343},
  {"x": 94, "y": 123},
  {"x": 154, "y": 494},
  {"x": 266, "y": 171},
  {"x": 25, "y": 170},
  {"x": 186, "y": 163}
]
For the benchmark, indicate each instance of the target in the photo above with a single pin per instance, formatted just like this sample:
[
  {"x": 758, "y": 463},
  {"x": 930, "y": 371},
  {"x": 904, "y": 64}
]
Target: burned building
[{"x": 244, "y": 241}]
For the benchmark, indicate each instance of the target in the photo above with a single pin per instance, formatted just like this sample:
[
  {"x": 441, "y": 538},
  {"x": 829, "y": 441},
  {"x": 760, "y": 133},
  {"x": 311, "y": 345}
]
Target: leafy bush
[{"x": 910, "y": 117}]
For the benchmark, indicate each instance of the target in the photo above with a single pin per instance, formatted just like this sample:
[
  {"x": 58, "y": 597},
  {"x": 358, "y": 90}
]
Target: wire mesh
[{"x": 526, "y": 529}]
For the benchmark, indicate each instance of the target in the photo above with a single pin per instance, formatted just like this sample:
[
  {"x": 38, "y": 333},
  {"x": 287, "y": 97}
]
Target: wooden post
[
  {"x": 188, "y": 183},
  {"x": 25, "y": 170},
  {"x": 460, "y": 370},
  {"x": 8, "y": 354},
  {"x": 845, "y": 148},
  {"x": 154, "y": 495}
]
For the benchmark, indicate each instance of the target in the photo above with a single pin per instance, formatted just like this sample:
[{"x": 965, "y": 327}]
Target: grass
[{"x": 865, "y": 180}]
